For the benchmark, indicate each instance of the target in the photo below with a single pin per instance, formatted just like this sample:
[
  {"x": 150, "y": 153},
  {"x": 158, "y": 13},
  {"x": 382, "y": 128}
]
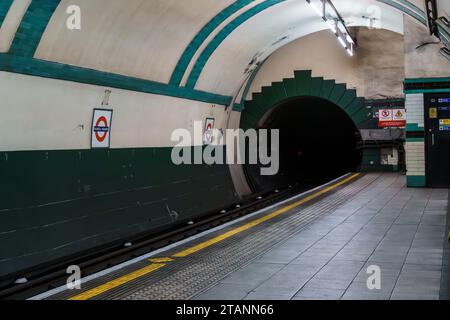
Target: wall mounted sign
[
  {"x": 208, "y": 132},
  {"x": 433, "y": 113},
  {"x": 392, "y": 118},
  {"x": 101, "y": 128}
]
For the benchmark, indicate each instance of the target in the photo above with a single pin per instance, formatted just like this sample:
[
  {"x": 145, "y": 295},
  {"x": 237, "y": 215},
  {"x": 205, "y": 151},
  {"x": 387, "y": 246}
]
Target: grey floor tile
[
  {"x": 317, "y": 261},
  {"x": 319, "y": 294},
  {"x": 253, "y": 274},
  {"x": 414, "y": 296},
  {"x": 387, "y": 285},
  {"x": 267, "y": 296},
  {"x": 225, "y": 291},
  {"x": 335, "y": 284},
  {"x": 280, "y": 255},
  {"x": 358, "y": 295},
  {"x": 413, "y": 285}
]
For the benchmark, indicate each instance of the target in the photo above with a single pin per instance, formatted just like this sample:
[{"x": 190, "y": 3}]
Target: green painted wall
[
  {"x": 303, "y": 84},
  {"x": 55, "y": 203},
  {"x": 4, "y": 8},
  {"x": 416, "y": 181}
]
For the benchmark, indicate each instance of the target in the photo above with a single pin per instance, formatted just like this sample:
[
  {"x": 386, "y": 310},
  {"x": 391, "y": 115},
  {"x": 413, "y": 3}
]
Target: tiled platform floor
[{"x": 400, "y": 230}]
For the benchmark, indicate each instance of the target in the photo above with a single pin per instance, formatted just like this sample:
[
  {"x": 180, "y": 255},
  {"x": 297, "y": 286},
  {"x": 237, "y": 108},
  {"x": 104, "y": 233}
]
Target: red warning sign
[
  {"x": 101, "y": 128},
  {"x": 392, "y": 118},
  {"x": 208, "y": 133}
]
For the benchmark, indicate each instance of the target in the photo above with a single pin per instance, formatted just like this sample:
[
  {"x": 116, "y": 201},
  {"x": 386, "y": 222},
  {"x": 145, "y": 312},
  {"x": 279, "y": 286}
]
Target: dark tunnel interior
[{"x": 318, "y": 142}]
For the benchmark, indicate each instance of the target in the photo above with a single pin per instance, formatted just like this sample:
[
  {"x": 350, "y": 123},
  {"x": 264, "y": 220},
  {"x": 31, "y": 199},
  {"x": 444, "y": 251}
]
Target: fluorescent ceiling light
[
  {"x": 342, "y": 42},
  {"x": 329, "y": 14},
  {"x": 319, "y": 12},
  {"x": 331, "y": 25}
]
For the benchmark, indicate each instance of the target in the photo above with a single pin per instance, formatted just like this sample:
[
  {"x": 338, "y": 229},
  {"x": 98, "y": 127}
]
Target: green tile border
[
  {"x": 305, "y": 85},
  {"x": 5, "y": 5},
  {"x": 222, "y": 35},
  {"x": 426, "y": 91},
  {"x": 416, "y": 181},
  {"x": 54, "y": 70},
  {"x": 415, "y": 139},
  {"x": 200, "y": 38},
  {"x": 32, "y": 27},
  {"x": 414, "y": 127},
  {"x": 427, "y": 80}
]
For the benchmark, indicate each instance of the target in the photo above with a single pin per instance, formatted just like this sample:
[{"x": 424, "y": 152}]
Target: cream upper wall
[
  {"x": 57, "y": 115},
  {"x": 259, "y": 37},
  {"x": 140, "y": 38},
  {"x": 146, "y": 38},
  {"x": 376, "y": 70},
  {"x": 426, "y": 61}
]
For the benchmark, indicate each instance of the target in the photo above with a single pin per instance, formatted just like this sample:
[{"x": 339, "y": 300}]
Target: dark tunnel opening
[{"x": 318, "y": 143}]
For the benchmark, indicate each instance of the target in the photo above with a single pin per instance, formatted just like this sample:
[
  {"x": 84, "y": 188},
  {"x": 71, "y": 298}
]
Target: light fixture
[
  {"x": 342, "y": 42},
  {"x": 335, "y": 23},
  {"x": 331, "y": 25},
  {"x": 316, "y": 9}
]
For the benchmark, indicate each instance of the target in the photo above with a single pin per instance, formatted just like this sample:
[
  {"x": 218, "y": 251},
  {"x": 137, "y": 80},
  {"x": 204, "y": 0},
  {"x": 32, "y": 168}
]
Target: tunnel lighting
[
  {"x": 331, "y": 26},
  {"x": 335, "y": 23},
  {"x": 342, "y": 42},
  {"x": 316, "y": 9},
  {"x": 349, "y": 39},
  {"x": 350, "y": 52}
]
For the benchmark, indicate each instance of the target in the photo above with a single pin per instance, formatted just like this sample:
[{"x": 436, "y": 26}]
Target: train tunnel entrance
[{"x": 318, "y": 142}]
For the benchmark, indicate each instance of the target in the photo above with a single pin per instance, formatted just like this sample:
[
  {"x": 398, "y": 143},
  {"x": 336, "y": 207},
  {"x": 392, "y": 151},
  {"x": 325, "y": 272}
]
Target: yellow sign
[
  {"x": 433, "y": 113},
  {"x": 444, "y": 122}
]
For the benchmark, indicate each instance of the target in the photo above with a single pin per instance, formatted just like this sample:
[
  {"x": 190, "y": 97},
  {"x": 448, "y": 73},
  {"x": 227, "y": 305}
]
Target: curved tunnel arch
[
  {"x": 318, "y": 120},
  {"x": 49, "y": 39}
]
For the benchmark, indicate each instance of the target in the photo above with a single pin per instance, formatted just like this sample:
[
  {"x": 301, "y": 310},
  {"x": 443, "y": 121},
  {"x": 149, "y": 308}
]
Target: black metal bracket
[{"x": 432, "y": 15}]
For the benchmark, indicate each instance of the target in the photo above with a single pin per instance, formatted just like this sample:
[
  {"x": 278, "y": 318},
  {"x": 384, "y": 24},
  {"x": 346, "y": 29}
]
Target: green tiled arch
[
  {"x": 304, "y": 84},
  {"x": 4, "y": 8}
]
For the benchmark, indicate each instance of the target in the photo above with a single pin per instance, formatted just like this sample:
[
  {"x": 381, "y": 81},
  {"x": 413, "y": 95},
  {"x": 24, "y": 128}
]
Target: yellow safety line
[
  {"x": 256, "y": 222},
  {"x": 158, "y": 262},
  {"x": 161, "y": 260},
  {"x": 117, "y": 282}
]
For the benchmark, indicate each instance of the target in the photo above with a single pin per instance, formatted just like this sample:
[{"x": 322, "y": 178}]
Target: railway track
[{"x": 47, "y": 277}]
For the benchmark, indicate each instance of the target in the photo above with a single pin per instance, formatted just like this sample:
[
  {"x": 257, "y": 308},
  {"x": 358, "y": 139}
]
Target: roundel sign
[
  {"x": 208, "y": 134},
  {"x": 101, "y": 128}
]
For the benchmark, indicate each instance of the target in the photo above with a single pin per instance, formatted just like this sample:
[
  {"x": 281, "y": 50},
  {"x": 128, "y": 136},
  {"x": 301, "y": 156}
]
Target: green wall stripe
[
  {"x": 418, "y": 16},
  {"x": 427, "y": 80},
  {"x": 32, "y": 27},
  {"x": 414, "y": 127},
  {"x": 4, "y": 8},
  {"x": 412, "y": 6},
  {"x": 198, "y": 40},
  {"x": 426, "y": 91},
  {"x": 54, "y": 70},
  {"x": 416, "y": 181},
  {"x": 222, "y": 35},
  {"x": 415, "y": 139}
]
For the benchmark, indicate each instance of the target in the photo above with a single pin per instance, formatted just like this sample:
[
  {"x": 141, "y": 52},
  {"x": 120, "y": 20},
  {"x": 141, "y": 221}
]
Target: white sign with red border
[
  {"x": 101, "y": 128},
  {"x": 392, "y": 118},
  {"x": 208, "y": 133}
]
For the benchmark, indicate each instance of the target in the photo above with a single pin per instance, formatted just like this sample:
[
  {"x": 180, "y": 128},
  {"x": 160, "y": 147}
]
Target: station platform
[{"x": 318, "y": 245}]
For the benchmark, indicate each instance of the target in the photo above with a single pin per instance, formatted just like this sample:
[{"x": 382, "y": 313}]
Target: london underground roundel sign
[{"x": 101, "y": 128}]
